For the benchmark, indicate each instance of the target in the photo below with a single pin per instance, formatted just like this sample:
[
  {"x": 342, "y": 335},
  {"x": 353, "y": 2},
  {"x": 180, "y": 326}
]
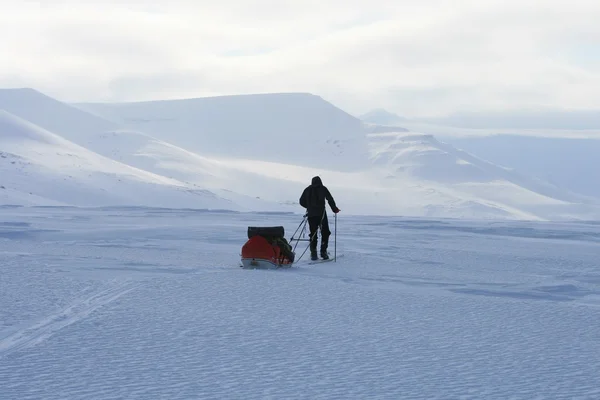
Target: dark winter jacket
[{"x": 314, "y": 196}]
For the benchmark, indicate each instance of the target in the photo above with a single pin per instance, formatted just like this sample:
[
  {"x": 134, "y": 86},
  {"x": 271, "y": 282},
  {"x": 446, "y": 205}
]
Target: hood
[{"x": 316, "y": 181}]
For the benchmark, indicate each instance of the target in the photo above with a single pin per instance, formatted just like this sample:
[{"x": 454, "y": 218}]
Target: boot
[
  {"x": 324, "y": 254},
  {"x": 313, "y": 253}
]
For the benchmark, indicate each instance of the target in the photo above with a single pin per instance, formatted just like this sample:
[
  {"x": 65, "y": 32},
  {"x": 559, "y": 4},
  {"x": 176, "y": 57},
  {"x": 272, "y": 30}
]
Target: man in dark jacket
[{"x": 313, "y": 199}]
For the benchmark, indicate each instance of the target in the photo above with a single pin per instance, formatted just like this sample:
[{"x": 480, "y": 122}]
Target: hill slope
[
  {"x": 568, "y": 162},
  {"x": 52, "y": 115},
  {"x": 292, "y": 128},
  {"x": 382, "y": 117},
  {"x": 365, "y": 192},
  {"x": 405, "y": 173},
  {"x": 521, "y": 119},
  {"x": 148, "y": 153},
  {"x": 221, "y": 177},
  {"x": 425, "y": 159},
  {"x": 40, "y": 167},
  {"x": 255, "y": 152}
]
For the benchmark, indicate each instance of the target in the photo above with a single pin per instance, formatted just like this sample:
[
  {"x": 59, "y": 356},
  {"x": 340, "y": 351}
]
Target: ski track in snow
[
  {"x": 77, "y": 310},
  {"x": 153, "y": 305}
]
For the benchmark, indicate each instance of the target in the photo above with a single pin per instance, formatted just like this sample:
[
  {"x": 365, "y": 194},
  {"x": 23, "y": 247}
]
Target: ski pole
[
  {"x": 335, "y": 239},
  {"x": 299, "y": 226}
]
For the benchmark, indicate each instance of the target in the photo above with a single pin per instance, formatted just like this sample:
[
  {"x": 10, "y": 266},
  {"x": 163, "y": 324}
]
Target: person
[{"x": 313, "y": 199}]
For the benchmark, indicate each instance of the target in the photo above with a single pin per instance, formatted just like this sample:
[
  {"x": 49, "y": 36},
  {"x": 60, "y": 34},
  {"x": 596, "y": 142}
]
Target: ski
[
  {"x": 311, "y": 262},
  {"x": 321, "y": 261}
]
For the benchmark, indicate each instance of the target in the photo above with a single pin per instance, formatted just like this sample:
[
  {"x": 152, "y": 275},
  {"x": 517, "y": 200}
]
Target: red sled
[{"x": 267, "y": 248}]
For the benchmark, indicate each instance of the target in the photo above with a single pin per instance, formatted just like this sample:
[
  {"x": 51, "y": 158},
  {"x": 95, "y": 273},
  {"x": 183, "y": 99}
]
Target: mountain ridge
[
  {"x": 388, "y": 170},
  {"x": 43, "y": 164}
]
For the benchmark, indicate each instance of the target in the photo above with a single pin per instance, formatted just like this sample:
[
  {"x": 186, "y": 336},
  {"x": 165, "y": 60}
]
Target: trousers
[{"x": 313, "y": 224}]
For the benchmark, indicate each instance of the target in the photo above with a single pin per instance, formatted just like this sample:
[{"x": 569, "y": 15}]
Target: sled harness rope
[{"x": 303, "y": 226}]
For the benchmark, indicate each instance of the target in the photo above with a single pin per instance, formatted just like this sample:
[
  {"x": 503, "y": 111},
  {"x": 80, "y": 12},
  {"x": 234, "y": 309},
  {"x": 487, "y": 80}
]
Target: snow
[
  {"x": 256, "y": 153},
  {"x": 567, "y": 161},
  {"x": 380, "y": 116},
  {"x": 283, "y": 127},
  {"x": 51, "y": 114},
  {"x": 401, "y": 171},
  {"x": 425, "y": 159},
  {"x": 141, "y": 302},
  {"x": 549, "y": 119},
  {"x": 38, "y": 162},
  {"x": 150, "y": 154}
]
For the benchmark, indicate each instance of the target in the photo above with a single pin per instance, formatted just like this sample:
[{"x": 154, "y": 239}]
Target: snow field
[{"x": 138, "y": 303}]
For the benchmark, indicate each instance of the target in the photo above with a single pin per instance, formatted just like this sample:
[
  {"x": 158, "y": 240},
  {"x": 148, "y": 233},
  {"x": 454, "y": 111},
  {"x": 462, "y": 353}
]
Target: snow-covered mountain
[
  {"x": 148, "y": 153},
  {"x": 258, "y": 152},
  {"x": 549, "y": 119},
  {"x": 39, "y": 167},
  {"x": 380, "y": 116},
  {"x": 425, "y": 159},
  {"x": 51, "y": 114},
  {"x": 370, "y": 191},
  {"x": 229, "y": 178},
  {"x": 295, "y": 128},
  {"x": 567, "y": 161}
]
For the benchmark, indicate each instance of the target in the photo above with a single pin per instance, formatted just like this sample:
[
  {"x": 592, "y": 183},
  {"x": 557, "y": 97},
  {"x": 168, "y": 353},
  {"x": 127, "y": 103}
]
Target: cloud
[{"x": 415, "y": 58}]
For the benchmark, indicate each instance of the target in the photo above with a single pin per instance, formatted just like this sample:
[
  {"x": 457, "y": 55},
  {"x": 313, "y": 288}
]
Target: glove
[{"x": 337, "y": 210}]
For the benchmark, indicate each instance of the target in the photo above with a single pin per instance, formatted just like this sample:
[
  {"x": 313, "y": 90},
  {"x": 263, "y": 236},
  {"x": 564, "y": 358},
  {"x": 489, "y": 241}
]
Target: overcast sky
[{"x": 415, "y": 58}]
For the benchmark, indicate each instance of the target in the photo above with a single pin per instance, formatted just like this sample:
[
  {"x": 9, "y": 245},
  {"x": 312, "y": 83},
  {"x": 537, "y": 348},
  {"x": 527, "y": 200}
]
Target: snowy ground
[{"x": 150, "y": 303}]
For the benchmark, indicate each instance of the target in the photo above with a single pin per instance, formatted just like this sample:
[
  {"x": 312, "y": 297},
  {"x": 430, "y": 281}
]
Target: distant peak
[
  {"x": 25, "y": 92},
  {"x": 378, "y": 111},
  {"x": 382, "y": 117},
  {"x": 223, "y": 97},
  {"x": 15, "y": 128},
  {"x": 23, "y": 89}
]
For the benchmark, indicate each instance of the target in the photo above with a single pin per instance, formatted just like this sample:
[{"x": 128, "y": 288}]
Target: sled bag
[
  {"x": 266, "y": 231},
  {"x": 259, "y": 247}
]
